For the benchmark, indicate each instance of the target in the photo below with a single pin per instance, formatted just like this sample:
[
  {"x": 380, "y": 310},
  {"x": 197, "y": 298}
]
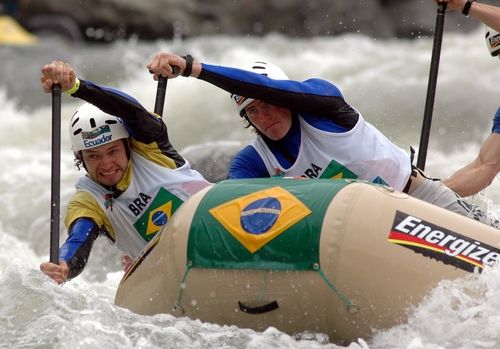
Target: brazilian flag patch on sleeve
[{"x": 261, "y": 224}]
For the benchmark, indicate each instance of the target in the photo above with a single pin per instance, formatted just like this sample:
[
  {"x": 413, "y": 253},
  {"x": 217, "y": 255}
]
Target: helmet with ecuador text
[
  {"x": 264, "y": 68},
  {"x": 492, "y": 41},
  {"x": 90, "y": 127}
]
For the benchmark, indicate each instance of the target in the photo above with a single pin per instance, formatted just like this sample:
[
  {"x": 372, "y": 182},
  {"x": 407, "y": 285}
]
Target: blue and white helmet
[
  {"x": 90, "y": 127},
  {"x": 492, "y": 41},
  {"x": 264, "y": 68}
]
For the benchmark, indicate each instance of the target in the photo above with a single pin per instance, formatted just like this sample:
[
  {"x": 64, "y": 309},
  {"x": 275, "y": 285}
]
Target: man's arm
[
  {"x": 75, "y": 252},
  {"x": 479, "y": 174},
  {"x": 142, "y": 125},
  {"x": 313, "y": 96},
  {"x": 488, "y": 14}
]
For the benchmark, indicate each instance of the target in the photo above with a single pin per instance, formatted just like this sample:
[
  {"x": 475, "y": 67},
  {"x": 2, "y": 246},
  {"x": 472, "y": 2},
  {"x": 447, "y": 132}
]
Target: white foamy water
[{"x": 385, "y": 79}]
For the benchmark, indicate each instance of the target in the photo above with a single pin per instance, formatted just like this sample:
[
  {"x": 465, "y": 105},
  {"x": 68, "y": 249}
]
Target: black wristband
[
  {"x": 189, "y": 65},
  {"x": 468, "y": 4}
]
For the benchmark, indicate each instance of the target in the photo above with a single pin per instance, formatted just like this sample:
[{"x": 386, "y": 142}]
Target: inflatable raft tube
[{"x": 339, "y": 257}]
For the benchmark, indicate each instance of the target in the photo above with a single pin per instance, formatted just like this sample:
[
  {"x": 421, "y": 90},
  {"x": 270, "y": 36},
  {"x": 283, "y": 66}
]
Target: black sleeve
[{"x": 141, "y": 124}]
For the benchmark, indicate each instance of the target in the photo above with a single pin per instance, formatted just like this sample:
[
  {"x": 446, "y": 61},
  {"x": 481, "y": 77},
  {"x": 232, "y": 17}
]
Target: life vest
[
  {"x": 153, "y": 195},
  {"x": 361, "y": 153}
]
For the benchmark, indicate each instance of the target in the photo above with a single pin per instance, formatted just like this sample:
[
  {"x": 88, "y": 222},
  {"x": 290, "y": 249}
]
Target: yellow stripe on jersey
[{"x": 152, "y": 152}]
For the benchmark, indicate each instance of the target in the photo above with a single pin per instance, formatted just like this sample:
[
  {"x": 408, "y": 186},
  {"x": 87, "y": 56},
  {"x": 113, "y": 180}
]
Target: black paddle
[
  {"x": 431, "y": 88},
  {"x": 56, "y": 174},
  {"x": 161, "y": 91},
  {"x": 160, "y": 95}
]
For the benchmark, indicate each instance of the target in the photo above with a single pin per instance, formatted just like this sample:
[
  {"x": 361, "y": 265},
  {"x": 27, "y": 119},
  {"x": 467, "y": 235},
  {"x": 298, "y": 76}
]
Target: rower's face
[
  {"x": 274, "y": 122},
  {"x": 107, "y": 163}
]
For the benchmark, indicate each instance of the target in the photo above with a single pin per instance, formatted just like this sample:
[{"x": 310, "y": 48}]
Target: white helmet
[
  {"x": 90, "y": 127},
  {"x": 268, "y": 69},
  {"x": 492, "y": 41}
]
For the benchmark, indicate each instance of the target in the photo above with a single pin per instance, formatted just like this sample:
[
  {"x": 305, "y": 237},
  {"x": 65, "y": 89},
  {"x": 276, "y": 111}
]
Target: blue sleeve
[
  {"x": 76, "y": 250},
  {"x": 312, "y": 86},
  {"x": 496, "y": 122},
  {"x": 247, "y": 164},
  {"x": 313, "y": 96}
]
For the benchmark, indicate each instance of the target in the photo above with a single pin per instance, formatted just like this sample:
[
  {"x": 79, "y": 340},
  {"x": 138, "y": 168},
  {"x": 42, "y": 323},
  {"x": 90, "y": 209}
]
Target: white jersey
[
  {"x": 153, "y": 195},
  {"x": 362, "y": 152}
]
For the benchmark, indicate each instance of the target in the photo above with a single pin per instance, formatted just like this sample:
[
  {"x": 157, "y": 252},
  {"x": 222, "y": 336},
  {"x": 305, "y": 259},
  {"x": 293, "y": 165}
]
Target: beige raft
[{"x": 380, "y": 252}]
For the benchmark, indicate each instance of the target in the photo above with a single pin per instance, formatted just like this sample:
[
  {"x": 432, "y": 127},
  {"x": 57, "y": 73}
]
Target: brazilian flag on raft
[{"x": 261, "y": 224}]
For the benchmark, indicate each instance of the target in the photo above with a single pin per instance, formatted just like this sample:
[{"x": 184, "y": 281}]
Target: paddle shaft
[
  {"x": 160, "y": 95},
  {"x": 56, "y": 174},
  {"x": 431, "y": 88},
  {"x": 161, "y": 90}
]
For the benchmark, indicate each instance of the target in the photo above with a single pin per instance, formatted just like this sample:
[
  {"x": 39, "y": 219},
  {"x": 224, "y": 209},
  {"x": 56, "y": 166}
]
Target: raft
[{"x": 339, "y": 257}]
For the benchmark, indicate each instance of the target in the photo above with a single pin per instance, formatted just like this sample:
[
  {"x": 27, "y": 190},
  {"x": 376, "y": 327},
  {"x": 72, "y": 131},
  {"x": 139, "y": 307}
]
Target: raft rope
[
  {"x": 263, "y": 286},
  {"x": 182, "y": 286},
  {"x": 351, "y": 307}
]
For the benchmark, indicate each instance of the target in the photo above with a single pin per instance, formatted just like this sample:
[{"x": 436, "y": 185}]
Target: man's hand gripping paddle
[{"x": 161, "y": 90}]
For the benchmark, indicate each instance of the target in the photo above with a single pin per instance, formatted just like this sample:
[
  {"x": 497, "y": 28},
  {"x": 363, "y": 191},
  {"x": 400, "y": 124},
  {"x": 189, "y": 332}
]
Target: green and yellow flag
[{"x": 261, "y": 224}]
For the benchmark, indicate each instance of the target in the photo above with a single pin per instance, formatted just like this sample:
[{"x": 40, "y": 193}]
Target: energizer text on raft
[{"x": 453, "y": 246}]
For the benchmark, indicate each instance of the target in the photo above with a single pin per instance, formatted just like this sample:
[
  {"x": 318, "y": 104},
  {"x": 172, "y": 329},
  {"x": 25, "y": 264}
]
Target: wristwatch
[{"x": 468, "y": 4}]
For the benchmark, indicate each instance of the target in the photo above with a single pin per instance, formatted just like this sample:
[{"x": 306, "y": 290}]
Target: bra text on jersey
[
  {"x": 313, "y": 171},
  {"x": 139, "y": 204}
]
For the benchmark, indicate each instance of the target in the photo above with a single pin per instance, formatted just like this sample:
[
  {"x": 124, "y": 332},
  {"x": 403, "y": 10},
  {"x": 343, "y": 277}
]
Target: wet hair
[
  {"x": 78, "y": 160},
  {"x": 248, "y": 124}
]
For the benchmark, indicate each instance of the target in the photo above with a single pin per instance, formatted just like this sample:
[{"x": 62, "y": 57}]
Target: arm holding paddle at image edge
[
  {"x": 488, "y": 14},
  {"x": 480, "y": 173}
]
